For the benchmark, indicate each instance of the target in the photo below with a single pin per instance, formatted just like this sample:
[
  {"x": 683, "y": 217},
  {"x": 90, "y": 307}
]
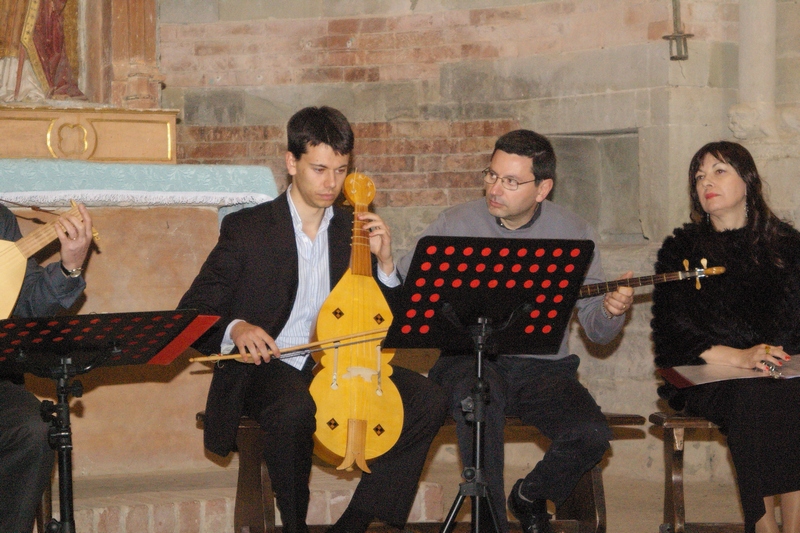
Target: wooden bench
[
  {"x": 254, "y": 508},
  {"x": 675, "y": 426}
]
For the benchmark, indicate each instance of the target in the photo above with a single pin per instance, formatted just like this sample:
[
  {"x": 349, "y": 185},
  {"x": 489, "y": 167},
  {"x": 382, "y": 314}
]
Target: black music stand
[
  {"x": 61, "y": 348},
  {"x": 457, "y": 287}
]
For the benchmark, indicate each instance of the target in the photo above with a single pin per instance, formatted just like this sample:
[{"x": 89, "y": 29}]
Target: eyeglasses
[{"x": 510, "y": 184}]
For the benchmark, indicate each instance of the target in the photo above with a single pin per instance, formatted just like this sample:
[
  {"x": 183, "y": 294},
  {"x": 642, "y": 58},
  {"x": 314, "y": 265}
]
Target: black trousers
[
  {"x": 543, "y": 393},
  {"x": 278, "y": 398},
  {"x": 26, "y": 459}
]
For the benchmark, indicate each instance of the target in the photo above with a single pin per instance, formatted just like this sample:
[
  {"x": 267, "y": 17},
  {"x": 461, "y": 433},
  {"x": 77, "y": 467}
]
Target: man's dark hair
[
  {"x": 528, "y": 143},
  {"x": 312, "y": 126}
]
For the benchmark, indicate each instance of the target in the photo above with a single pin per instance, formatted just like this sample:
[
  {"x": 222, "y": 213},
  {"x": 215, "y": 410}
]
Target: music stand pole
[
  {"x": 60, "y": 436},
  {"x": 474, "y": 485}
]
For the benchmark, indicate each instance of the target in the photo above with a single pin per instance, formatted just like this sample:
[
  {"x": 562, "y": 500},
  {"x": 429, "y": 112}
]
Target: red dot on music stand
[
  {"x": 450, "y": 250},
  {"x": 37, "y": 341},
  {"x": 429, "y": 313},
  {"x": 475, "y": 283},
  {"x": 498, "y": 267},
  {"x": 58, "y": 339},
  {"x": 552, "y": 268},
  {"x": 575, "y": 253},
  {"x": 94, "y": 321},
  {"x": 411, "y": 313},
  {"x": 486, "y": 251},
  {"x": 534, "y": 269},
  {"x": 416, "y": 297},
  {"x": 406, "y": 329},
  {"x": 420, "y": 282},
  {"x": 547, "y": 329},
  {"x": 468, "y": 251},
  {"x": 480, "y": 267},
  {"x": 546, "y": 283},
  {"x": 30, "y": 324},
  {"x": 529, "y": 329},
  {"x": 462, "y": 267},
  {"x": 45, "y": 332},
  {"x": 434, "y": 297},
  {"x": 504, "y": 252},
  {"x": 522, "y": 252},
  {"x": 492, "y": 284},
  {"x": 552, "y": 314},
  {"x": 438, "y": 283},
  {"x": 23, "y": 333},
  {"x": 528, "y": 284},
  {"x": 569, "y": 268},
  {"x": 431, "y": 250},
  {"x": 444, "y": 267},
  {"x": 10, "y": 326},
  {"x": 563, "y": 283},
  {"x": 510, "y": 284},
  {"x": 557, "y": 252},
  {"x": 558, "y": 298},
  {"x": 539, "y": 252},
  {"x": 516, "y": 268},
  {"x": 424, "y": 329},
  {"x": 541, "y": 298},
  {"x": 425, "y": 266},
  {"x": 77, "y": 338},
  {"x": 457, "y": 283}
]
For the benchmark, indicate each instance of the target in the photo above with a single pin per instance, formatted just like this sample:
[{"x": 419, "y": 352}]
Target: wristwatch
[{"x": 74, "y": 273}]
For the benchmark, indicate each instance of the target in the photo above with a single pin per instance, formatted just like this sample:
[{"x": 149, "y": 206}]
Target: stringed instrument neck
[
  {"x": 41, "y": 236},
  {"x": 610, "y": 286},
  {"x": 360, "y": 256},
  {"x": 360, "y": 191}
]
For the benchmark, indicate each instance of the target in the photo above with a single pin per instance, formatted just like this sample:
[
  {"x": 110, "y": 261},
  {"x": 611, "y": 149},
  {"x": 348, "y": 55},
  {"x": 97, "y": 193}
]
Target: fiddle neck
[{"x": 360, "y": 258}]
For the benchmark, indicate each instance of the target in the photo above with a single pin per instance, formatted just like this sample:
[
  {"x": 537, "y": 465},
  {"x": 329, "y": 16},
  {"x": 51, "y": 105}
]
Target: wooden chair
[
  {"x": 675, "y": 426},
  {"x": 254, "y": 509}
]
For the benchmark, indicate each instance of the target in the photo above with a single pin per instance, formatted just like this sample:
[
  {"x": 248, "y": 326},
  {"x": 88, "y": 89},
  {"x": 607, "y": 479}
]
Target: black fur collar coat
[{"x": 753, "y": 302}]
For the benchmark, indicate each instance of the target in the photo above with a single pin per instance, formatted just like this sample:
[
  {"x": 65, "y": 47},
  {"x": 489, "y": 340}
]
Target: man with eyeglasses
[{"x": 543, "y": 390}]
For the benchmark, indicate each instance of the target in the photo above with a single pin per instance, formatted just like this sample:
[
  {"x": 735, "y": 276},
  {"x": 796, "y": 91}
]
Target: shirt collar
[
  {"x": 298, "y": 223},
  {"x": 528, "y": 224}
]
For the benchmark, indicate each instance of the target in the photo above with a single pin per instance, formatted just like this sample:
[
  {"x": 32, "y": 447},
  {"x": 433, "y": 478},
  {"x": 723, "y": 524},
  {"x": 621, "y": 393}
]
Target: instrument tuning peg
[
  {"x": 697, "y": 279},
  {"x": 686, "y": 264}
]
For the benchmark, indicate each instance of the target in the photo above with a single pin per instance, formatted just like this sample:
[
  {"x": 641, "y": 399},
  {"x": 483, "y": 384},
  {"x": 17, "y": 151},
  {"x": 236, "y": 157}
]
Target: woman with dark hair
[{"x": 748, "y": 318}]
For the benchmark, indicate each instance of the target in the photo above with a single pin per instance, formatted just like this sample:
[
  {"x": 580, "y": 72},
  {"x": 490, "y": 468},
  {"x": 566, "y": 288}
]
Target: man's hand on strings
[
  {"x": 254, "y": 343},
  {"x": 380, "y": 240},
  {"x": 75, "y": 235},
  {"x": 618, "y": 302}
]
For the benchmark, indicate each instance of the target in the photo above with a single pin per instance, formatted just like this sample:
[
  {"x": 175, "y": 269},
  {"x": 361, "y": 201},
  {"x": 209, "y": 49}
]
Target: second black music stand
[
  {"x": 61, "y": 348},
  {"x": 490, "y": 296}
]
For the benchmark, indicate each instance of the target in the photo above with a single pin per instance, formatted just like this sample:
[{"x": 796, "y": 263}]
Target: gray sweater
[{"x": 473, "y": 219}]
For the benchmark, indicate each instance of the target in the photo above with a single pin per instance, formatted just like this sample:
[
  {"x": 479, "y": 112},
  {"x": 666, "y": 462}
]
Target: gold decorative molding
[{"x": 104, "y": 134}]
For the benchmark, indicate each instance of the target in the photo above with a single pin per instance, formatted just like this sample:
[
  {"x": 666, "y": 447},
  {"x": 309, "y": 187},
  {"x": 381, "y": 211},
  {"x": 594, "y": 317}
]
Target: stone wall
[{"x": 429, "y": 85}]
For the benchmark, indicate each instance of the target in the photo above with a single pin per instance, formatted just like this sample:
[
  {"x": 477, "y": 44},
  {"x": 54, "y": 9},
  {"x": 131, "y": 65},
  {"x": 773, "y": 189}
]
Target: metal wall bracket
[{"x": 678, "y": 45}]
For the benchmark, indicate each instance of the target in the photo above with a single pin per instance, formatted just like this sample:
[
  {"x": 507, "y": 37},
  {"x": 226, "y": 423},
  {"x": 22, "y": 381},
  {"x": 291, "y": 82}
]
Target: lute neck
[{"x": 41, "y": 236}]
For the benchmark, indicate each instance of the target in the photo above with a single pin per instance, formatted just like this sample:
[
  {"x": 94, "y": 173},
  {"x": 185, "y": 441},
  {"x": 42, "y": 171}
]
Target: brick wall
[
  {"x": 420, "y": 163},
  {"x": 414, "y": 46}
]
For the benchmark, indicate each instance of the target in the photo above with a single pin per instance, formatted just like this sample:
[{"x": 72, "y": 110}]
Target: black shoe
[{"x": 532, "y": 515}]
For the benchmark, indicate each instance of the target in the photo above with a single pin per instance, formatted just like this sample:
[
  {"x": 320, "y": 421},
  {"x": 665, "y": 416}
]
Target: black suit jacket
[{"x": 251, "y": 274}]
